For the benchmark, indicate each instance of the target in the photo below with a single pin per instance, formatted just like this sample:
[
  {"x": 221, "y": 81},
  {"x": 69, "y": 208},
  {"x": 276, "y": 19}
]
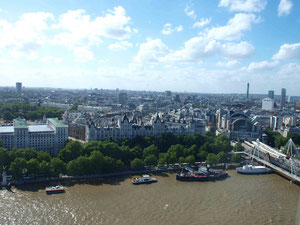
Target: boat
[
  {"x": 54, "y": 190},
  {"x": 202, "y": 174},
  {"x": 250, "y": 169},
  {"x": 145, "y": 179}
]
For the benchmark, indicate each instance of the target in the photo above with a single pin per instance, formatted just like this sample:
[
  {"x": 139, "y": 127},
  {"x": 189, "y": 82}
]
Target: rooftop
[
  {"x": 57, "y": 123},
  {"x": 7, "y": 129},
  {"x": 39, "y": 128},
  {"x": 20, "y": 123}
]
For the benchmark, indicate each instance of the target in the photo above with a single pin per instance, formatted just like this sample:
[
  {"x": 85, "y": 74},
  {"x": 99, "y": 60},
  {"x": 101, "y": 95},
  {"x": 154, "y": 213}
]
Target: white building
[
  {"x": 131, "y": 128},
  {"x": 268, "y": 104},
  {"x": 276, "y": 122},
  {"x": 51, "y": 136}
]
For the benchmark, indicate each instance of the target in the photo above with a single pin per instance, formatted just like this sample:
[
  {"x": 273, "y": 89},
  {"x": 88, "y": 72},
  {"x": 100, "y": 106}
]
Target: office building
[
  {"x": 247, "y": 91},
  {"x": 267, "y": 104},
  {"x": 271, "y": 94},
  {"x": 283, "y": 97},
  {"x": 19, "y": 87},
  {"x": 50, "y": 136}
]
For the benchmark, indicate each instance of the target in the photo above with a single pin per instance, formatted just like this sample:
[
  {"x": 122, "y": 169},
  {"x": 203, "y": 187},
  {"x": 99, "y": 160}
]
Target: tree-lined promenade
[{"x": 99, "y": 157}]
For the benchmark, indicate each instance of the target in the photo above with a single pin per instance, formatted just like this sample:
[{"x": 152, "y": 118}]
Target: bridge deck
[{"x": 275, "y": 168}]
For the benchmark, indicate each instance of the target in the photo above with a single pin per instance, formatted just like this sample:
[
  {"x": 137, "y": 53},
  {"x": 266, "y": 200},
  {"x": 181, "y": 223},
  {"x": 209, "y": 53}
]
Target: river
[{"x": 239, "y": 199}]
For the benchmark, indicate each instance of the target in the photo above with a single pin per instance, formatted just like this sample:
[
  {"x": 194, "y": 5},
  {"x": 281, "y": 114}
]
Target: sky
[{"x": 204, "y": 46}]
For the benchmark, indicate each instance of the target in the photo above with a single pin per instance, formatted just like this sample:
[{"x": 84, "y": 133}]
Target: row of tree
[
  {"x": 10, "y": 111},
  {"x": 98, "y": 157},
  {"x": 277, "y": 140}
]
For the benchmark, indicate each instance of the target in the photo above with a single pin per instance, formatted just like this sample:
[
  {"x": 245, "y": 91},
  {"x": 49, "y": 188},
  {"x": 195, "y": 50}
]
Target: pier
[{"x": 279, "y": 162}]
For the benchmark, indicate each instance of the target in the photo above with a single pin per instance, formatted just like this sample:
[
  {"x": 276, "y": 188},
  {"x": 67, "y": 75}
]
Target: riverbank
[{"x": 108, "y": 175}]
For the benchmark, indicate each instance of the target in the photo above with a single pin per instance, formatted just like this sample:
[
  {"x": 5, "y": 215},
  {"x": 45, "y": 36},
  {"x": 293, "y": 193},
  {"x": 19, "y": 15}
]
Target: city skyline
[{"x": 194, "y": 46}]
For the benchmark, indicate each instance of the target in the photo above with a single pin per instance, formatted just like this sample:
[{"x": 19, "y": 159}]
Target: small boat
[
  {"x": 54, "y": 190},
  {"x": 250, "y": 169},
  {"x": 143, "y": 180}
]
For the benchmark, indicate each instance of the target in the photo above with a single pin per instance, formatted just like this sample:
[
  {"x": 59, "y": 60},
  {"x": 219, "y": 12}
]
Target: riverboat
[
  {"x": 54, "y": 190},
  {"x": 250, "y": 169},
  {"x": 202, "y": 174},
  {"x": 145, "y": 179}
]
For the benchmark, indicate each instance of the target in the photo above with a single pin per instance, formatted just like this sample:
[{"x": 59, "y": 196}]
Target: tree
[
  {"x": 236, "y": 158},
  {"x": 32, "y": 167},
  {"x": 211, "y": 159},
  {"x": 176, "y": 150},
  {"x": 222, "y": 157},
  {"x": 44, "y": 168},
  {"x": 202, "y": 155},
  {"x": 190, "y": 160},
  {"x": 190, "y": 151},
  {"x": 238, "y": 147},
  {"x": 137, "y": 164},
  {"x": 188, "y": 140},
  {"x": 8, "y": 115},
  {"x": 162, "y": 159},
  {"x": 151, "y": 150},
  {"x": 58, "y": 166},
  {"x": 181, "y": 160},
  {"x": 43, "y": 156},
  {"x": 4, "y": 158},
  {"x": 97, "y": 162},
  {"x": 150, "y": 160},
  {"x": 18, "y": 167},
  {"x": 199, "y": 139}
]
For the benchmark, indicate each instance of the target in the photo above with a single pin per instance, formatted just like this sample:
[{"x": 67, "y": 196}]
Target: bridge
[{"x": 282, "y": 164}]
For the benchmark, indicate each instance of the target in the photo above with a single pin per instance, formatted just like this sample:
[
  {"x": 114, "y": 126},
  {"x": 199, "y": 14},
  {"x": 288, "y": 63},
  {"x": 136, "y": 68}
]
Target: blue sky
[{"x": 206, "y": 46}]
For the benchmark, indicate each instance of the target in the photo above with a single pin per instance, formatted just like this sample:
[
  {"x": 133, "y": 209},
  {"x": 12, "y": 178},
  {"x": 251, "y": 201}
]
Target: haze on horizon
[{"x": 198, "y": 46}]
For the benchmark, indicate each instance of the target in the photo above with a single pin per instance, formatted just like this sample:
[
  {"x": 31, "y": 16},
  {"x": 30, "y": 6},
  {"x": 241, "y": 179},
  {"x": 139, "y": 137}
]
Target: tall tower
[
  {"x": 247, "y": 91},
  {"x": 283, "y": 97},
  {"x": 271, "y": 94},
  {"x": 19, "y": 87}
]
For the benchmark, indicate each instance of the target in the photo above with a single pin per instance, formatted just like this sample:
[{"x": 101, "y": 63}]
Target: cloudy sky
[{"x": 206, "y": 46}]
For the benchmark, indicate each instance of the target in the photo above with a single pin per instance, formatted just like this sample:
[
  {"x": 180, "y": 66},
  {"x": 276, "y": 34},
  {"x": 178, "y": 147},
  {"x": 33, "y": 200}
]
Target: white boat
[
  {"x": 144, "y": 180},
  {"x": 250, "y": 169},
  {"x": 54, "y": 190}
]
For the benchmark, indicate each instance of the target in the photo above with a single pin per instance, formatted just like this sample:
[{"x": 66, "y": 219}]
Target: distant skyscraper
[
  {"x": 247, "y": 91},
  {"x": 271, "y": 94},
  {"x": 283, "y": 97},
  {"x": 19, "y": 87},
  {"x": 123, "y": 98}
]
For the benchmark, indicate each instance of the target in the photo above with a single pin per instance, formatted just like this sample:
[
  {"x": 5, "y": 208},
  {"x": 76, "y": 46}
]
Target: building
[
  {"x": 271, "y": 94},
  {"x": 168, "y": 93},
  {"x": 276, "y": 122},
  {"x": 50, "y": 136},
  {"x": 247, "y": 91},
  {"x": 283, "y": 97},
  {"x": 123, "y": 98},
  {"x": 134, "y": 127},
  {"x": 237, "y": 126},
  {"x": 19, "y": 87},
  {"x": 267, "y": 104}
]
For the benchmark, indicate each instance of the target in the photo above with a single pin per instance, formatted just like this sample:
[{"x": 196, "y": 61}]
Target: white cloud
[
  {"x": 288, "y": 52},
  {"x": 237, "y": 50},
  {"x": 150, "y": 51},
  {"x": 51, "y": 59},
  {"x": 83, "y": 54},
  {"x": 25, "y": 36},
  {"x": 167, "y": 30},
  {"x": 80, "y": 32},
  {"x": 244, "y": 5},
  {"x": 198, "y": 48},
  {"x": 120, "y": 46},
  {"x": 229, "y": 63},
  {"x": 262, "y": 66},
  {"x": 203, "y": 22},
  {"x": 189, "y": 12},
  {"x": 285, "y": 7},
  {"x": 233, "y": 30}
]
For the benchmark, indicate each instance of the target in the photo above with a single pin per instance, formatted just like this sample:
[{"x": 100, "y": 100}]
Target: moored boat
[
  {"x": 145, "y": 179},
  {"x": 201, "y": 175},
  {"x": 250, "y": 169},
  {"x": 54, "y": 190}
]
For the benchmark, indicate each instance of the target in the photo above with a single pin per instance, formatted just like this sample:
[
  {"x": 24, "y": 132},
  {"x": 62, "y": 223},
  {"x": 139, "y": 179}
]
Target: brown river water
[{"x": 239, "y": 199}]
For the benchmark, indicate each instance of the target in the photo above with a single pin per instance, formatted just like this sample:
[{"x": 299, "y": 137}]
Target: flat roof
[
  {"x": 20, "y": 123},
  {"x": 39, "y": 128},
  {"x": 7, "y": 129}
]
